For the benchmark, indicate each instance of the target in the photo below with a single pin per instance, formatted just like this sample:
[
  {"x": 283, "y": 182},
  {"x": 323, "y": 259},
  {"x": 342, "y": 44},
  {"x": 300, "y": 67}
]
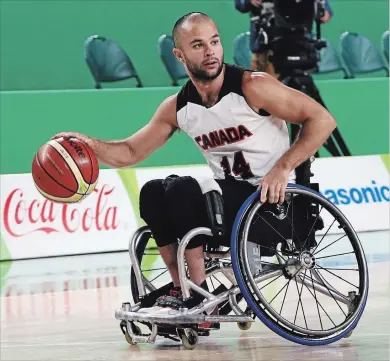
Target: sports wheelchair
[{"x": 308, "y": 282}]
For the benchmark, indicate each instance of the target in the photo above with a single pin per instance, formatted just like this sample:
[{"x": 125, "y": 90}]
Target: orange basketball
[{"x": 65, "y": 170}]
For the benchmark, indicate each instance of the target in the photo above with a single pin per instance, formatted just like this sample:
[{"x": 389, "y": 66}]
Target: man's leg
[
  {"x": 170, "y": 215},
  {"x": 187, "y": 209},
  {"x": 196, "y": 266},
  {"x": 153, "y": 212},
  {"x": 169, "y": 255}
]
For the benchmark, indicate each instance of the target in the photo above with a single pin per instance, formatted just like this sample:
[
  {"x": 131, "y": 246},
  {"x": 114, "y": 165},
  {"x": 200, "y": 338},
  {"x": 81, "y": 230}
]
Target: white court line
[{"x": 121, "y": 341}]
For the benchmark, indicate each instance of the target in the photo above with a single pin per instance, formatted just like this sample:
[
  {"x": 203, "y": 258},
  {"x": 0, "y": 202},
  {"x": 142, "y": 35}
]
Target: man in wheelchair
[{"x": 237, "y": 118}]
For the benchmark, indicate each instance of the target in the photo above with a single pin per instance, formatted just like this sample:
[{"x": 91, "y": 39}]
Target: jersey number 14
[{"x": 240, "y": 166}]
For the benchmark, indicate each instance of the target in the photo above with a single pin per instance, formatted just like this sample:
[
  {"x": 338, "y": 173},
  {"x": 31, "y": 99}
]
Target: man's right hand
[
  {"x": 66, "y": 135},
  {"x": 256, "y": 3}
]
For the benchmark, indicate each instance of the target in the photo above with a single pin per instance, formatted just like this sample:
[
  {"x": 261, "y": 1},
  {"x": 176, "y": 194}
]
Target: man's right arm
[{"x": 137, "y": 147}]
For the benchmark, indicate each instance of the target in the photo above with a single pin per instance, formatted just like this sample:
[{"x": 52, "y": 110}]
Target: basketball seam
[
  {"x": 58, "y": 199},
  {"x": 43, "y": 168},
  {"x": 90, "y": 180},
  {"x": 40, "y": 165},
  {"x": 81, "y": 173},
  {"x": 66, "y": 161}
]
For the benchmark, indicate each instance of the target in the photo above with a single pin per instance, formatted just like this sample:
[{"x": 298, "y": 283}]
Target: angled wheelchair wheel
[
  {"x": 300, "y": 266},
  {"x": 153, "y": 270}
]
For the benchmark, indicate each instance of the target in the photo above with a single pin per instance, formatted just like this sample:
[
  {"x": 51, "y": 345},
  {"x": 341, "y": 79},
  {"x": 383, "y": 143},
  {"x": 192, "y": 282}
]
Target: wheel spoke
[
  {"x": 153, "y": 269},
  {"x": 291, "y": 222},
  {"x": 274, "y": 229},
  {"x": 275, "y": 250},
  {"x": 217, "y": 280},
  {"x": 324, "y": 235},
  {"x": 280, "y": 291},
  {"x": 314, "y": 253},
  {"x": 335, "y": 255},
  {"x": 271, "y": 281},
  {"x": 159, "y": 275},
  {"x": 315, "y": 297},
  {"x": 211, "y": 280},
  {"x": 272, "y": 264},
  {"x": 335, "y": 291},
  {"x": 303, "y": 281},
  {"x": 325, "y": 269},
  {"x": 324, "y": 284},
  {"x": 284, "y": 298},
  {"x": 341, "y": 269},
  {"x": 300, "y": 300},
  {"x": 312, "y": 227}
]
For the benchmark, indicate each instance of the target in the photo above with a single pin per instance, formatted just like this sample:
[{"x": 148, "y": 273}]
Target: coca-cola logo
[{"x": 23, "y": 216}]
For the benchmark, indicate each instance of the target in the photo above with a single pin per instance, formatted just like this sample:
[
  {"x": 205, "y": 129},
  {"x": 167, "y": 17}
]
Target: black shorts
[{"x": 173, "y": 206}]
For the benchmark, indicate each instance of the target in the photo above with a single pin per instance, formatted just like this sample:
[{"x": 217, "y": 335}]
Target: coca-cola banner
[{"x": 32, "y": 226}]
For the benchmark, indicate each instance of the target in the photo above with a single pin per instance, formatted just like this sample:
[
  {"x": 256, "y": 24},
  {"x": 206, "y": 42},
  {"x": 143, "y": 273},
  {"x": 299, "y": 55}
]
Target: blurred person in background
[{"x": 258, "y": 10}]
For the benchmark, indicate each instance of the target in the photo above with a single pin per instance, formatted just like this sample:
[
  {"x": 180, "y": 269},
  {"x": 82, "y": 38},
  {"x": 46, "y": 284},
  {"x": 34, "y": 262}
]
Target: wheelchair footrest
[{"x": 177, "y": 317}]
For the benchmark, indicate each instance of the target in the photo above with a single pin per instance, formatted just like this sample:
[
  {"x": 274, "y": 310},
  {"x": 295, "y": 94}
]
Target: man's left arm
[{"x": 265, "y": 92}]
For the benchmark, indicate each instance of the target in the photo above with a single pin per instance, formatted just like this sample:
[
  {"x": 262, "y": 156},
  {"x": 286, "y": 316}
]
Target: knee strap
[{"x": 214, "y": 204}]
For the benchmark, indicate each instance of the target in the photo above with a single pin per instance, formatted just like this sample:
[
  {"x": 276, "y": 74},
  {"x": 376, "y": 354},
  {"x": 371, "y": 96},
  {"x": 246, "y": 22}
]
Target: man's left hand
[
  {"x": 274, "y": 184},
  {"x": 326, "y": 17}
]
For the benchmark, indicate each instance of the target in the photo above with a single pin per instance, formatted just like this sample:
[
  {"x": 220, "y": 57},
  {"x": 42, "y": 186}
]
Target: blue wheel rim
[{"x": 247, "y": 295}]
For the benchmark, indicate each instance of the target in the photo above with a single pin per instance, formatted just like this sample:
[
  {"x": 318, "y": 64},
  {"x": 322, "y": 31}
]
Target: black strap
[{"x": 214, "y": 206}]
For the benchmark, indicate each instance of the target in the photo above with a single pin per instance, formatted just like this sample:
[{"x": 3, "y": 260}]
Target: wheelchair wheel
[
  {"x": 147, "y": 254},
  {"x": 317, "y": 288}
]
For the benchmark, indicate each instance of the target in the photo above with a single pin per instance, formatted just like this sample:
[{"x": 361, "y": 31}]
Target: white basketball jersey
[{"x": 234, "y": 139}]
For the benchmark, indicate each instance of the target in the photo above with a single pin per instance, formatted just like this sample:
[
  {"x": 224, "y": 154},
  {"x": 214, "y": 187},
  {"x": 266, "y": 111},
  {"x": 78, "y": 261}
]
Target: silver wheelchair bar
[
  {"x": 181, "y": 316},
  {"x": 184, "y": 282},
  {"x": 134, "y": 261},
  {"x": 194, "y": 315},
  {"x": 319, "y": 286},
  {"x": 323, "y": 281},
  {"x": 234, "y": 305}
]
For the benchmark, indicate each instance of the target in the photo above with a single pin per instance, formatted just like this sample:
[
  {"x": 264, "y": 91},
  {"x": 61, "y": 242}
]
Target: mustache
[{"x": 211, "y": 60}]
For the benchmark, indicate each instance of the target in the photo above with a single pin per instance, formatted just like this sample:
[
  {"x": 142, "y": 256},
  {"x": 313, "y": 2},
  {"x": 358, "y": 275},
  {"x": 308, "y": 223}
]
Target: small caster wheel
[
  {"x": 189, "y": 338},
  {"x": 128, "y": 338},
  {"x": 244, "y": 325}
]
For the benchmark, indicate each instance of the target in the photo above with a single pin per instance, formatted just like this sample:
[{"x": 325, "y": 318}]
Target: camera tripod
[{"x": 302, "y": 81}]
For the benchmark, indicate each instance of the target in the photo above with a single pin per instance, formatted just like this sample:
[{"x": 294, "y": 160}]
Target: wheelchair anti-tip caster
[
  {"x": 244, "y": 325},
  {"x": 128, "y": 338},
  {"x": 189, "y": 338}
]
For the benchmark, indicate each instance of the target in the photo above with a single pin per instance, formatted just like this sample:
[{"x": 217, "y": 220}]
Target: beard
[{"x": 201, "y": 74}]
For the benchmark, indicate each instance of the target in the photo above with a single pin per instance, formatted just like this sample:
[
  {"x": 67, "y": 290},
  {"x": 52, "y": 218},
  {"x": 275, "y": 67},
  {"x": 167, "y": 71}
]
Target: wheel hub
[
  {"x": 292, "y": 267},
  {"x": 307, "y": 260}
]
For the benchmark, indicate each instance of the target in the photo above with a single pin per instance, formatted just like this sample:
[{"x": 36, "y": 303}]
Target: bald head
[
  {"x": 198, "y": 47},
  {"x": 186, "y": 21}
]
